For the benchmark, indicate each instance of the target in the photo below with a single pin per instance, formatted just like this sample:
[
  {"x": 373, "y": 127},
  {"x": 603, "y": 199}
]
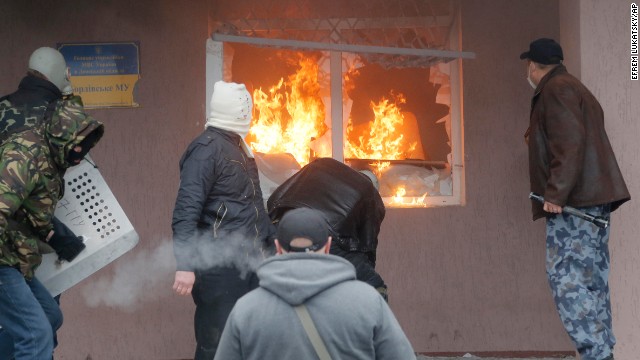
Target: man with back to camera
[
  {"x": 45, "y": 136},
  {"x": 349, "y": 200},
  {"x": 351, "y": 319},
  {"x": 571, "y": 163}
]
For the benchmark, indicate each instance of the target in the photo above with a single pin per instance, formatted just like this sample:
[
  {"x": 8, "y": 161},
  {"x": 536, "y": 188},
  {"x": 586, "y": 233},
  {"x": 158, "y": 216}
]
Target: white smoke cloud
[
  {"x": 133, "y": 281},
  {"x": 229, "y": 250},
  {"x": 149, "y": 275}
]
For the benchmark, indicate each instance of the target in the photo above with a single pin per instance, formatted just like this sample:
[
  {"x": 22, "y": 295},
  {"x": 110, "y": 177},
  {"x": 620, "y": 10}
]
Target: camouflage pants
[{"x": 578, "y": 273}]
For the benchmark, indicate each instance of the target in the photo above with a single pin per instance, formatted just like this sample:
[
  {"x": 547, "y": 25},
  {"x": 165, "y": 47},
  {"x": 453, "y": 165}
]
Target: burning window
[
  {"x": 373, "y": 108},
  {"x": 399, "y": 127}
]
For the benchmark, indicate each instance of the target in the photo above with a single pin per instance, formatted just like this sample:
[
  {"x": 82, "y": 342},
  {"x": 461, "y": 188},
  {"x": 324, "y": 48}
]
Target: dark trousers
[
  {"x": 365, "y": 267},
  {"x": 214, "y": 293}
]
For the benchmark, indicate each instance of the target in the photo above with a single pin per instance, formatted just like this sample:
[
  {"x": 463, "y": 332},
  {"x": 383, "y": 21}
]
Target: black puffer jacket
[
  {"x": 348, "y": 199},
  {"x": 219, "y": 196}
]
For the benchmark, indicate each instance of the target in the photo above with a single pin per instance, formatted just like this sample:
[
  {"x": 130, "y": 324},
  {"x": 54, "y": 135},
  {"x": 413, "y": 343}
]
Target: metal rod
[
  {"x": 297, "y": 44},
  {"x": 599, "y": 221},
  {"x": 328, "y": 24},
  {"x": 337, "y": 120}
]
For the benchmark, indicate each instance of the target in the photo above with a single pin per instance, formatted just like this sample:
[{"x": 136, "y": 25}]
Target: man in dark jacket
[
  {"x": 571, "y": 163},
  {"x": 219, "y": 224},
  {"x": 350, "y": 202}
]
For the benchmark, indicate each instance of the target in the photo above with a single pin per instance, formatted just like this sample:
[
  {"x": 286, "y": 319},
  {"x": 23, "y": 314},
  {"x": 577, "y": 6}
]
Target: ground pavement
[{"x": 472, "y": 357}]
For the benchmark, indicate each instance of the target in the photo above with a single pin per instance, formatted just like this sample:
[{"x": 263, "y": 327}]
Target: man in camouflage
[
  {"x": 43, "y": 142},
  {"x": 571, "y": 162},
  {"x": 37, "y": 94}
]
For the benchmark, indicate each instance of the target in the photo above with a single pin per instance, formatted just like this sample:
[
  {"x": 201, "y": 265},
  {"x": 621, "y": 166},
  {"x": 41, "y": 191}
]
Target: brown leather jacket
[{"x": 571, "y": 161}]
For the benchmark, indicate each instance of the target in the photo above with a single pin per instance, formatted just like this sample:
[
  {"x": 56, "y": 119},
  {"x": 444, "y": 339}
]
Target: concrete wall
[
  {"x": 570, "y": 38},
  {"x": 461, "y": 278},
  {"x": 605, "y": 44},
  {"x": 472, "y": 278},
  {"x": 138, "y": 157}
]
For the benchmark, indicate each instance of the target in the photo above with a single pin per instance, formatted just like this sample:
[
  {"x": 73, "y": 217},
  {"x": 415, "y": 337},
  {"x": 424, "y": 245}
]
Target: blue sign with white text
[
  {"x": 101, "y": 59},
  {"x": 103, "y": 74}
]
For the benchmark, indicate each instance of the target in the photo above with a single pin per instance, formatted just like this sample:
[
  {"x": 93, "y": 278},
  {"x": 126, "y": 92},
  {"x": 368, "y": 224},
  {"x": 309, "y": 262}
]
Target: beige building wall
[
  {"x": 605, "y": 56},
  {"x": 472, "y": 278},
  {"x": 570, "y": 38},
  {"x": 465, "y": 278},
  {"x": 132, "y": 314}
]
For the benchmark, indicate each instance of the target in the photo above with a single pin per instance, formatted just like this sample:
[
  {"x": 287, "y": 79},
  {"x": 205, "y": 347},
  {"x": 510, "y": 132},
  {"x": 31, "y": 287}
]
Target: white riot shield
[{"x": 90, "y": 210}]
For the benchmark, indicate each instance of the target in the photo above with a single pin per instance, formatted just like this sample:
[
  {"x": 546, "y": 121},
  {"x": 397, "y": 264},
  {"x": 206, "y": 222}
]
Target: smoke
[
  {"x": 149, "y": 275},
  {"x": 227, "y": 250},
  {"x": 134, "y": 281}
]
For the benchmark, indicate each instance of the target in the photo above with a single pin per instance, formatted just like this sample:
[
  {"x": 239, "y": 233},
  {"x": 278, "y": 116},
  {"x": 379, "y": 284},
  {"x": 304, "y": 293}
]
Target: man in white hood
[
  {"x": 219, "y": 222},
  {"x": 349, "y": 318}
]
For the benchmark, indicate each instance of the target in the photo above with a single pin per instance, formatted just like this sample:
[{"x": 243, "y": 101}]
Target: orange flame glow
[
  {"x": 400, "y": 193},
  {"x": 399, "y": 199},
  {"x": 290, "y": 115},
  {"x": 385, "y": 140}
]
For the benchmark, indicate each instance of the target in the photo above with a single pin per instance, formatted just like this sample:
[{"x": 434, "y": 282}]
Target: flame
[
  {"x": 400, "y": 192},
  {"x": 399, "y": 199},
  {"x": 290, "y": 115},
  {"x": 385, "y": 140}
]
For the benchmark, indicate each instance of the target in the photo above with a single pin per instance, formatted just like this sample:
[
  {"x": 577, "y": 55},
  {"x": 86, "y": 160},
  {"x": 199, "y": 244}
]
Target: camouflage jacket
[
  {"x": 32, "y": 164},
  {"x": 26, "y": 105}
]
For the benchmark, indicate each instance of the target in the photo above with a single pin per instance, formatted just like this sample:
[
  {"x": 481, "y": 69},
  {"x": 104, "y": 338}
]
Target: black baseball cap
[
  {"x": 544, "y": 51},
  {"x": 303, "y": 223}
]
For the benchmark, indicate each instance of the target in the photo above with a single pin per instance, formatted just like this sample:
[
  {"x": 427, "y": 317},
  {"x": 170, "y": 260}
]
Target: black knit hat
[
  {"x": 303, "y": 223},
  {"x": 544, "y": 51}
]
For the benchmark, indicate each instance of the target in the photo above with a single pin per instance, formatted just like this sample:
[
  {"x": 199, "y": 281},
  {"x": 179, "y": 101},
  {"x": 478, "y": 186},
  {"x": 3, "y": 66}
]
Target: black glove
[
  {"x": 66, "y": 244},
  {"x": 67, "y": 247}
]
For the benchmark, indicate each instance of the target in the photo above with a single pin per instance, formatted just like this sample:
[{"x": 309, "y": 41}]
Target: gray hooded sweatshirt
[{"x": 351, "y": 317}]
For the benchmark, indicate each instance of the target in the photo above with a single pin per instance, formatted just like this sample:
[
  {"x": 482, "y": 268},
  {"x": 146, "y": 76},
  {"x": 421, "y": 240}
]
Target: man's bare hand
[
  {"x": 183, "y": 283},
  {"x": 552, "y": 208}
]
